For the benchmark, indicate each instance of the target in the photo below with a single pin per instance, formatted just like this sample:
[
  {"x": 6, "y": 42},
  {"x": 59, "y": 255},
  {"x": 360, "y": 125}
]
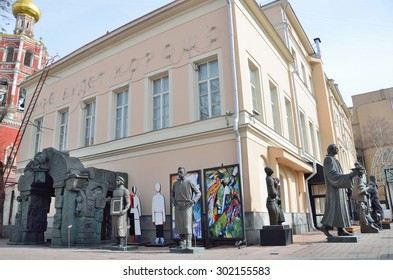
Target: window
[
  {"x": 255, "y": 90},
  {"x": 304, "y": 132},
  {"x": 160, "y": 103},
  {"x": 38, "y": 135},
  {"x": 90, "y": 121},
  {"x": 209, "y": 90},
  {"x": 10, "y": 54},
  {"x": 289, "y": 115},
  {"x": 303, "y": 73},
  {"x": 313, "y": 142},
  {"x": 320, "y": 153},
  {"x": 311, "y": 85},
  {"x": 63, "y": 131},
  {"x": 28, "y": 58},
  {"x": 275, "y": 108},
  {"x": 21, "y": 100},
  {"x": 3, "y": 93},
  {"x": 121, "y": 114},
  {"x": 294, "y": 59}
]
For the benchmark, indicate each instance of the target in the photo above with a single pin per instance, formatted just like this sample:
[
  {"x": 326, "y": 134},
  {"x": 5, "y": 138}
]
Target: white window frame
[
  {"x": 121, "y": 124},
  {"x": 209, "y": 103},
  {"x": 256, "y": 91},
  {"x": 63, "y": 129},
  {"x": 38, "y": 124},
  {"x": 304, "y": 132},
  {"x": 89, "y": 128},
  {"x": 160, "y": 110},
  {"x": 290, "y": 122},
  {"x": 312, "y": 138},
  {"x": 275, "y": 107}
]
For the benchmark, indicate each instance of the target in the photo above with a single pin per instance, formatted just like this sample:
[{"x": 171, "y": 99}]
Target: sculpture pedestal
[
  {"x": 191, "y": 250},
  {"x": 125, "y": 248},
  {"x": 355, "y": 230},
  {"x": 277, "y": 235},
  {"x": 385, "y": 224},
  {"x": 342, "y": 239},
  {"x": 368, "y": 229}
]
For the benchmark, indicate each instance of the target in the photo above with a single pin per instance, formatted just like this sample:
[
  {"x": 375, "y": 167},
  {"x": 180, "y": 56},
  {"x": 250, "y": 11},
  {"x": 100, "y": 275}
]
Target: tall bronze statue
[
  {"x": 184, "y": 195},
  {"x": 337, "y": 184},
  {"x": 273, "y": 201},
  {"x": 120, "y": 204}
]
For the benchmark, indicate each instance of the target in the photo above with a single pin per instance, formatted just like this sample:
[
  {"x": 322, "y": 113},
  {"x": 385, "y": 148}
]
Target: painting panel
[{"x": 224, "y": 213}]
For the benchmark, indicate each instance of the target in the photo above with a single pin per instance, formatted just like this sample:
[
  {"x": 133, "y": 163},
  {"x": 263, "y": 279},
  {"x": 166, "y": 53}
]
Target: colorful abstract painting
[
  {"x": 223, "y": 203},
  {"x": 197, "y": 225}
]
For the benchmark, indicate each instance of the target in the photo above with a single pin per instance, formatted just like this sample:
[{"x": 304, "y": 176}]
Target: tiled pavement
[{"x": 308, "y": 246}]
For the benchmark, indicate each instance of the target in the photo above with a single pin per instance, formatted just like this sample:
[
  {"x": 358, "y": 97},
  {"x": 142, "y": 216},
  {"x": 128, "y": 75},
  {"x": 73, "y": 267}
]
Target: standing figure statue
[
  {"x": 273, "y": 201},
  {"x": 184, "y": 195},
  {"x": 376, "y": 206},
  {"x": 361, "y": 194},
  {"x": 158, "y": 214},
  {"x": 135, "y": 216},
  {"x": 337, "y": 183},
  {"x": 121, "y": 197}
]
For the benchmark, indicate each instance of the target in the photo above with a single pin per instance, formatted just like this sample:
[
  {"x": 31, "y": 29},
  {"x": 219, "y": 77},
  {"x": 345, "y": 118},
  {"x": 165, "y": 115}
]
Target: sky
[{"x": 356, "y": 35}]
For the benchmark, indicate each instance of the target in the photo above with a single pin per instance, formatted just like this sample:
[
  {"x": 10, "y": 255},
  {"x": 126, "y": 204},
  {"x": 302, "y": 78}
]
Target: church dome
[{"x": 26, "y": 7}]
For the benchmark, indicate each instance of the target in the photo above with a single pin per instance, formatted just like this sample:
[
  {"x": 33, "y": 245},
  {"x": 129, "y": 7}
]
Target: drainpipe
[{"x": 236, "y": 113}]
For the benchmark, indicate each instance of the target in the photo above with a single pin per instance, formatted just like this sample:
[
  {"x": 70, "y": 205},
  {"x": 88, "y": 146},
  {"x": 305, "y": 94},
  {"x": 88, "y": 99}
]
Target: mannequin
[
  {"x": 158, "y": 214},
  {"x": 135, "y": 216}
]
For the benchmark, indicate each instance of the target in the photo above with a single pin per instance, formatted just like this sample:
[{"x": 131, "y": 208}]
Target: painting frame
[
  {"x": 116, "y": 206},
  {"x": 223, "y": 203},
  {"x": 197, "y": 218}
]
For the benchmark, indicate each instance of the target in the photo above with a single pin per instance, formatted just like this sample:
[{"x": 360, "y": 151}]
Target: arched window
[
  {"x": 10, "y": 54},
  {"x": 3, "y": 93},
  {"x": 28, "y": 58}
]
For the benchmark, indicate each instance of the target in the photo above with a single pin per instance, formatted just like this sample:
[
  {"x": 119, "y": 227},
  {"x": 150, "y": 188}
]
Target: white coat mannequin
[
  {"x": 135, "y": 216},
  {"x": 158, "y": 214}
]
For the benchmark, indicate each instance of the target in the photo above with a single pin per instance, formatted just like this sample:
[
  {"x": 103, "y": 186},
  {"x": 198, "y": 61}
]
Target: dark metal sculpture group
[{"x": 339, "y": 187}]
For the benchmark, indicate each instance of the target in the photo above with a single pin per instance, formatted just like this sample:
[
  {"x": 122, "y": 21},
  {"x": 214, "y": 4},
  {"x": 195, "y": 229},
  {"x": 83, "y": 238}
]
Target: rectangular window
[
  {"x": 311, "y": 85},
  {"x": 289, "y": 115},
  {"x": 253, "y": 88},
  {"x": 90, "y": 121},
  {"x": 313, "y": 142},
  {"x": 320, "y": 152},
  {"x": 209, "y": 90},
  {"x": 3, "y": 93},
  {"x": 275, "y": 108},
  {"x": 28, "y": 58},
  {"x": 63, "y": 131},
  {"x": 121, "y": 114},
  {"x": 294, "y": 59},
  {"x": 304, "y": 74},
  {"x": 161, "y": 103},
  {"x": 10, "y": 54},
  {"x": 38, "y": 135},
  {"x": 255, "y": 91},
  {"x": 304, "y": 132}
]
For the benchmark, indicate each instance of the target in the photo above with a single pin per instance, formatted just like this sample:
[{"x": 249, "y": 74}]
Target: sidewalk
[{"x": 308, "y": 246}]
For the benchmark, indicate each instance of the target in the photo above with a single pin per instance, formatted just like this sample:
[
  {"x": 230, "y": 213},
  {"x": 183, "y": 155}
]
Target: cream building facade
[{"x": 199, "y": 84}]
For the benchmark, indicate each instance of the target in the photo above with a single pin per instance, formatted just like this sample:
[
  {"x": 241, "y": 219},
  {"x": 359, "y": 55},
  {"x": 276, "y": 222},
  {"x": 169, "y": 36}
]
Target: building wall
[
  {"x": 373, "y": 127},
  {"x": 172, "y": 41}
]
